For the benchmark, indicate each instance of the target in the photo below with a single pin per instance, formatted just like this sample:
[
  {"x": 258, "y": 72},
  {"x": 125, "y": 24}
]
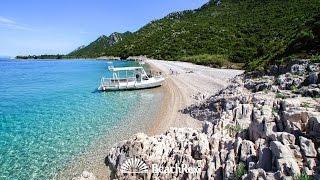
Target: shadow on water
[
  {"x": 96, "y": 91},
  {"x": 122, "y": 90}
]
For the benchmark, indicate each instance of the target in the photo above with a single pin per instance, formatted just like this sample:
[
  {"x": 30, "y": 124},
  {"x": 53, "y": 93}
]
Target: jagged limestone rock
[
  {"x": 307, "y": 147},
  {"x": 275, "y": 132}
]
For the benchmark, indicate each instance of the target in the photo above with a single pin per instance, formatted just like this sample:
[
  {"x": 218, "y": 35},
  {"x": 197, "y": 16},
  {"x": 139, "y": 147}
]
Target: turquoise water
[{"x": 50, "y": 111}]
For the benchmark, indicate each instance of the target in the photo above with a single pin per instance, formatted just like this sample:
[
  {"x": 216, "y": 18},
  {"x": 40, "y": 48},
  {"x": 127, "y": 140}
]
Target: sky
[{"x": 60, "y": 26}]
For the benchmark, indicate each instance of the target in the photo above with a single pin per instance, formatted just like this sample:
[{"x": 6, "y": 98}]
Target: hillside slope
[
  {"x": 247, "y": 31},
  {"x": 99, "y": 46}
]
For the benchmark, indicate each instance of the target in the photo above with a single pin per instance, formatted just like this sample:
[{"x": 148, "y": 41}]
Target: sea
[{"x": 51, "y": 111}]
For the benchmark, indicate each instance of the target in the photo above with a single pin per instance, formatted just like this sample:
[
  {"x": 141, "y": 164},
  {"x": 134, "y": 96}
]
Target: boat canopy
[
  {"x": 111, "y": 68},
  {"x": 124, "y": 78}
]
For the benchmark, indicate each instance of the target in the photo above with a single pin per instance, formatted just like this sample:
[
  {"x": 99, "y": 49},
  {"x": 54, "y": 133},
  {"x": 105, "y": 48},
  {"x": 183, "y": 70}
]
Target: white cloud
[
  {"x": 84, "y": 32},
  {"x": 11, "y": 24},
  {"x": 6, "y": 21}
]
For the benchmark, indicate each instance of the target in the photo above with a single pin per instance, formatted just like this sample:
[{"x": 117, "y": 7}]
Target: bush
[
  {"x": 315, "y": 58},
  {"x": 241, "y": 170},
  {"x": 206, "y": 59},
  {"x": 233, "y": 130},
  {"x": 280, "y": 96},
  {"x": 303, "y": 176},
  {"x": 294, "y": 88}
]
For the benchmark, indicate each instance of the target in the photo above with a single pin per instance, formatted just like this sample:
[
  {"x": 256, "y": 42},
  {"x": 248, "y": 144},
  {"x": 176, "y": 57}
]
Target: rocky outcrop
[
  {"x": 97, "y": 48},
  {"x": 114, "y": 38},
  {"x": 175, "y": 147},
  {"x": 284, "y": 159},
  {"x": 261, "y": 123}
]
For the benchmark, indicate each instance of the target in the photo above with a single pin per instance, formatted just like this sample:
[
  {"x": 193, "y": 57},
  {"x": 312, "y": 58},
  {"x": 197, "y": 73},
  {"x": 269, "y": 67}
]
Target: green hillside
[
  {"x": 254, "y": 32},
  {"x": 100, "y": 46}
]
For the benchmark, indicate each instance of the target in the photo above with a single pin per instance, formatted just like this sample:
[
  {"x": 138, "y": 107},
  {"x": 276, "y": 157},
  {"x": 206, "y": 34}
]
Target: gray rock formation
[
  {"x": 307, "y": 147},
  {"x": 260, "y": 122},
  {"x": 114, "y": 38}
]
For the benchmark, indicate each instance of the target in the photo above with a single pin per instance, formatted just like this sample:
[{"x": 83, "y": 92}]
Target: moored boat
[{"x": 130, "y": 78}]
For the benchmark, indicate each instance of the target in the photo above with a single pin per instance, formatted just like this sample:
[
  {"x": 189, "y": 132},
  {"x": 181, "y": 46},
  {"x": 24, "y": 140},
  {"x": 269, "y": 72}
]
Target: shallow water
[{"x": 50, "y": 112}]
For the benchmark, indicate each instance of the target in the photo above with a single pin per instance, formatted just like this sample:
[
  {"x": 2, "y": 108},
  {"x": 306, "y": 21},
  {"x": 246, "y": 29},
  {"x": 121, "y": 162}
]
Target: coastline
[
  {"x": 190, "y": 84},
  {"x": 260, "y": 120},
  {"x": 92, "y": 159}
]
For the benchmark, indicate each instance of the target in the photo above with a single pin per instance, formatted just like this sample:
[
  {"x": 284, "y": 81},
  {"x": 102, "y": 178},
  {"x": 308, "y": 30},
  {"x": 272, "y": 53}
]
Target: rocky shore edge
[{"x": 262, "y": 126}]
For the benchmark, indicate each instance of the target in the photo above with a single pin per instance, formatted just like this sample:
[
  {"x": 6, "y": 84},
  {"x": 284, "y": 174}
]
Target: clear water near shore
[{"x": 50, "y": 112}]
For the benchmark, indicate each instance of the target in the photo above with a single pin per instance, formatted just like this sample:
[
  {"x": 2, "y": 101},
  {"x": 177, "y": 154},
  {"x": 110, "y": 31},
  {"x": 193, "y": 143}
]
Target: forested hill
[
  {"x": 254, "y": 32},
  {"x": 100, "y": 46}
]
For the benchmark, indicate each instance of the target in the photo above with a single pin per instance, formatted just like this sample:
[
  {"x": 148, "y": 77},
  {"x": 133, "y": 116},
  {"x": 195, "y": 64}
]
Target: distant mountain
[
  {"x": 253, "y": 32},
  {"x": 98, "y": 47}
]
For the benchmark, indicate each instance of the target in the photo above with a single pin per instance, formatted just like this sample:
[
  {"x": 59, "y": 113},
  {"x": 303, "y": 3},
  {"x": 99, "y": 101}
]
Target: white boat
[{"x": 129, "y": 78}]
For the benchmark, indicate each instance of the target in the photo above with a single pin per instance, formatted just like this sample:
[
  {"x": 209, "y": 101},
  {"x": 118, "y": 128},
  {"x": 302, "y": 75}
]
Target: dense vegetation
[
  {"x": 254, "y": 32},
  {"x": 57, "y": 56},
  {"x": 207, "y": 59},
  {"x": 99, "y": 46}
]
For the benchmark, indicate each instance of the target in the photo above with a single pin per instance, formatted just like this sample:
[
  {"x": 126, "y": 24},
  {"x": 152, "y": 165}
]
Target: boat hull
[{"x": 146, "y": 84}]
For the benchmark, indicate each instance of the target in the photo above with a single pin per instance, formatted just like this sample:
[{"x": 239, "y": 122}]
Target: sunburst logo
[{"x": 134, "y": 166}]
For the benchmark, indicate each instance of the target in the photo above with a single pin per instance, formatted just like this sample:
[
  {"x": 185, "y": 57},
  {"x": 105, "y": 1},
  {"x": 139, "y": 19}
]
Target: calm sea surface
[{"x": 50, "y": 111}]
